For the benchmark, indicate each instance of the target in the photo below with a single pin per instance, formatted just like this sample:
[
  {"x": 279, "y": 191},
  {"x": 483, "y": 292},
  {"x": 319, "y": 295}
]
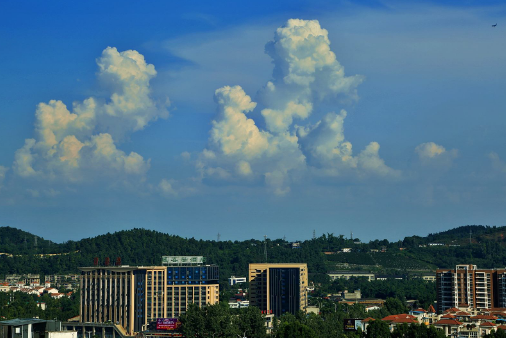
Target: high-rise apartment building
[
  {"x": 133, "y": 296},
  {"x": 470, "y": 288},
  {"x": 278, "y": 288}
]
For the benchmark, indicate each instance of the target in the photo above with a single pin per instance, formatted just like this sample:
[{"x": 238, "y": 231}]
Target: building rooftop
[{"x": 22, "y": 321}]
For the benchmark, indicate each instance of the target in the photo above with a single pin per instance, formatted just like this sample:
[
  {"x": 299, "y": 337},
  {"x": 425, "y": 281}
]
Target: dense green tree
[
  {"x": 251, "y": 323},
  {"x": 496, "y": 334},
  {"x": 416, "y": 331},
  {"x": 295, "y": 329},
  {"x": 395, "y": 306},
  {"x": 377, "y": 329}
]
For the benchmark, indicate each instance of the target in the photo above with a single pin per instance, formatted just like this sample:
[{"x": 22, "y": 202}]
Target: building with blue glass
[{"x": 134, "y": 296}]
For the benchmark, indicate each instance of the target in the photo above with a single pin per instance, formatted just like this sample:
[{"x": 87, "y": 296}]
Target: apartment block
[
  {"x": 278, "y": 288},
  {"x": 134, "y": 296},
  {"x": 467, "y": 287}
]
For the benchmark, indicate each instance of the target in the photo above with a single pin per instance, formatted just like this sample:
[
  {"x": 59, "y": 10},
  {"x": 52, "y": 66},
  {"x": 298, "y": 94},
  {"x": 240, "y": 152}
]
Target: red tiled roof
[
  {"x": 448, "y": 316},
  {"x": 453, "y": 309},
  {"x": 397, "y": 317},
  {"x": 368, "y": 319},
  {"x": 487, "y": 324},
  {"x": 462, "y": 314},
  {"x": 489, "y": 317},
  {"x": 448, "y": 322},
  {"x": 502, "y": 327},
  {"x": 431, "y": 309},
  {"x": 420, "y": 310},
  {"x": 404, "y": 320}
]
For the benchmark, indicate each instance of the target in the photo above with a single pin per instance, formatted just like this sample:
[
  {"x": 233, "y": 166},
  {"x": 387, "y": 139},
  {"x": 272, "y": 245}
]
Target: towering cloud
[
  {"x": 233, "y": 133},
  {"x": 79, "y": 144},
  {"x": 325, "y": 148},
  {"x": 306, "y": 73}
]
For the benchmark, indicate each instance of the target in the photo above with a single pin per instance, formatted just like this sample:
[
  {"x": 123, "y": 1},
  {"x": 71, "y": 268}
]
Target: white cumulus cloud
[
  {"x": 3, "y": 172},
  {"x": 305, "y": 72},
  {"x": 79, "y": 144},
  {"x": 233, "y": 133},
  {"x": 433, "y": 154},
  {"x": 325, "y": 148}
]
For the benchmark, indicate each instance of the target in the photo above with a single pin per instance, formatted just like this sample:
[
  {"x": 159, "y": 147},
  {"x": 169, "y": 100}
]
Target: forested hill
[{"x": 23, "y": 252}]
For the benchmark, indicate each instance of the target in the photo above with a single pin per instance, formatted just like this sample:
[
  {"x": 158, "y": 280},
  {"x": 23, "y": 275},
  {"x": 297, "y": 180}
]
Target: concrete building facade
[
  {"x": 133, "y": 296},
  {"x": 278, "y": 288},
  {"x": 468, "y": 287}
]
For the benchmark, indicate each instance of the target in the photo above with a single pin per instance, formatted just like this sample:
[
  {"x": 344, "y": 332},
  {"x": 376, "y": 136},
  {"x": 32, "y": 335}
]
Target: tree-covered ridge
[{"x": 322, "y": 254}]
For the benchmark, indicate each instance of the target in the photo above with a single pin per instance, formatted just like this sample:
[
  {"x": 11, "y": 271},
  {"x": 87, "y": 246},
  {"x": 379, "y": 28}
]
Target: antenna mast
[{"x": 265, "y": 247}]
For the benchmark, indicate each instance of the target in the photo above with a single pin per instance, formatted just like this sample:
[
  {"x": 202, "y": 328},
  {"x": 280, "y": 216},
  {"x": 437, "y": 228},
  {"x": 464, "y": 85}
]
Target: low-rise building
[
  {"x": 349, "y": 274},
  {"x": 236, "y": 280}
]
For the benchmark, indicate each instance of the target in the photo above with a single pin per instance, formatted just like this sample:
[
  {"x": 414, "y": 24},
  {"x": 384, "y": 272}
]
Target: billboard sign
[
  {"x": 167, "y": 324},
  {"x": 352, "y": 324},
  {"x": 175, "y": 260}
]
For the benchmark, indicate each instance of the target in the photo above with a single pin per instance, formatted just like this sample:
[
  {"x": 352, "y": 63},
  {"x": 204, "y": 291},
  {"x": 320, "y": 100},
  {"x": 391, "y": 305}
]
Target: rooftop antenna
[
  {"x": 265, "y": 247},
  {"x": 352, "y": 235},
  {"x": 284, "y": 238},
  {"x": 314, "y": 234},
  {"x": 218, "y": 236}
]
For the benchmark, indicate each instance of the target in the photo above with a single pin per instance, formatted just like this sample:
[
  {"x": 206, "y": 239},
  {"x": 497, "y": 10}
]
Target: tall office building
[
  {"x": 278, "y": 288},
  {"x": 133, "y": 296},
  {"x": 470, "y": 288}
]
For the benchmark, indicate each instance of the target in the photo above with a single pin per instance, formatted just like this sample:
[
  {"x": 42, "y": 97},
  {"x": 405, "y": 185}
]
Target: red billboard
[{"x": 167, "y": 323}]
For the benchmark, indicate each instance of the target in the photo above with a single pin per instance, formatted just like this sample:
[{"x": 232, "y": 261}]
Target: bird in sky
[{"x": 494, "y": 25}]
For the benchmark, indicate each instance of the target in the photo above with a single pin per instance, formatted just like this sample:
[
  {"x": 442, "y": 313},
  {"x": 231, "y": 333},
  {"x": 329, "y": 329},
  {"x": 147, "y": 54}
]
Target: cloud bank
[
  {"x": 81, "y": 144},
  {"x": 306, "y": 74}
]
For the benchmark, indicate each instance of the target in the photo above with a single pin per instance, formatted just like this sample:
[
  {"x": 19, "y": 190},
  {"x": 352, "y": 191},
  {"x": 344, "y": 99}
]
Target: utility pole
[{"x": 218, "y": 236}]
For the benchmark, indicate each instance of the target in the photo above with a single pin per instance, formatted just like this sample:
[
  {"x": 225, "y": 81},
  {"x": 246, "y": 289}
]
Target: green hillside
[{"x": 23, "y": 252}]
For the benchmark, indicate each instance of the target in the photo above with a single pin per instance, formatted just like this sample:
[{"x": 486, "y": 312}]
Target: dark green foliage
[
  {"x": 250, "y": 323},
  {"x": 416, "y": 331},
  {"x": 322, "y": 254},
  {"x": 217, "y": 321},
  {"x": 496, "y": 334},
  {"x": 295, "y": 329},
  {"x": 22, "y": 305},
  {"x": 377, "y": 329}
]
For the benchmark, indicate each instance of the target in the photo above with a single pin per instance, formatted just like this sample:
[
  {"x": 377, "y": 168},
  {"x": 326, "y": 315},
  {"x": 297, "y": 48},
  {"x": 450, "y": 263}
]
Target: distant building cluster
[
  {"x": 369, "y": 276},
  {"x": 453, "y": 322},
  {"x": 31, "y": 284},
  {"x": 467, "y": 287}
]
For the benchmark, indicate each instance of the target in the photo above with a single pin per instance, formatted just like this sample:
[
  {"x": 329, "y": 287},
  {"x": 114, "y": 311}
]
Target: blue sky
[{"x": 274, "y": 118}]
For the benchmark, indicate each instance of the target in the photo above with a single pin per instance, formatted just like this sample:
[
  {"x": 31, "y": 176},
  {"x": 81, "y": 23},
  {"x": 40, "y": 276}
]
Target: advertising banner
[
  {"x": 175, "y": 260},
  {"x": 167, "y": 323},
  {"x": 352, "y": 324}
]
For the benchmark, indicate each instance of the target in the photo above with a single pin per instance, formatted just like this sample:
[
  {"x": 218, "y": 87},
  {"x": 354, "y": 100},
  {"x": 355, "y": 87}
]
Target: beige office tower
[
  {"x": 468, "y": 287},
  {"x": 134, "y": 296},
  {"x": 278, "y": 288}
]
